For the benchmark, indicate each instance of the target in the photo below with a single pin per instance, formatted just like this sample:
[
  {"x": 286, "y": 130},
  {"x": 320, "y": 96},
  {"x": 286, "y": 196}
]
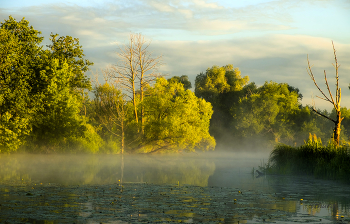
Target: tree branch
[{"x": 323, "y": 115}]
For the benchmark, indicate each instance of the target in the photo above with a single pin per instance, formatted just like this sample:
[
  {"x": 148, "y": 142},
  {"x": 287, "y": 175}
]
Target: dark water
[{"x": 190, "y": 188}]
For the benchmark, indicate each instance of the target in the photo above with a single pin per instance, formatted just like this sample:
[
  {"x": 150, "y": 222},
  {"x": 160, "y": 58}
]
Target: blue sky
[{"x": 266, "y": 40}]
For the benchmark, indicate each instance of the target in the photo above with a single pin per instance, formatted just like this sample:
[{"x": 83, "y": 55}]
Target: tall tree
[
  {"x": 334, "y": 101},
  {"x": 221, "y": 87},
  {"x": 176, "y": 119},
  {"x": 39, "y": 93},
  {"x": 19, "y": 54},
  {"x": 136, "y": 69},
  {"x": 126, "y": 70},
  {"x": 147, "y": 67}
]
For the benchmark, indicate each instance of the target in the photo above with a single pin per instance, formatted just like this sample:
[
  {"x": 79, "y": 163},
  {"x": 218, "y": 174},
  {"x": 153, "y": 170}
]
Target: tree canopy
[
  {"x": 182, "y": 79},
  {"x": 18, "y": 62},
  {"x": 40, "y": 102},
  {"x": 176, "y": 119}
]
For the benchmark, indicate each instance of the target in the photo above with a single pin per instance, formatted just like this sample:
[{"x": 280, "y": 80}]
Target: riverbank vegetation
[
  {"x": 49, "y": 105},
  {"x": 313, "y": 158}
]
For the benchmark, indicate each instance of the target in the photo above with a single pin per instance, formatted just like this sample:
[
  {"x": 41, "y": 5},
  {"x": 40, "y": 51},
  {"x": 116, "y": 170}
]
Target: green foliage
[
  {"x": 267, "y": 112},
  {"x": 18, "y": 55},
  {"x": 39, "y": 96},
  {"x": 58, "y": 118},
  {"x": 222, "y": 87},
  {"x": 175, "y": 119},
  {"x": 88, "y": 142},
  {"x": 218, "y": 80},
  {"x": 329, "y": 161},
  {"x": 183, "y": 79},
  {"x": 68, "y": 49},
  {"x": 107, "y": 103},
  {"x": 114, "y": 114}
]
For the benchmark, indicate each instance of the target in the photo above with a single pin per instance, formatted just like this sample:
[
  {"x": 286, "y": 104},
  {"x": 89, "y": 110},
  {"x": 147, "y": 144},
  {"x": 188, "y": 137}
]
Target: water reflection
[
  {"x": 105, "y": 169},
  {"x": 181, "y": 188}
]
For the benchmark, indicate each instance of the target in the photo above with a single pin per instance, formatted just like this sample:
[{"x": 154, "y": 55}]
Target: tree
[
  {"x": 19, "y": 52},
  {"x": 57, "y": 119},
  {"x": 68, "y": 49},
  {"x": 111, "y": 110},
  {"x": 335, "y": 102},
  {"x": 147, "y": 65},
  {"x": 221, "y": 87},
  {"x": 183, "y": 79},
  {"x": 136, "y": 69},
  {"x": 218, "y": 80},
  {"x": 39, "y": 89},
  {"x": 175, "y": 119},
  {"x": 268, "y": 112}
]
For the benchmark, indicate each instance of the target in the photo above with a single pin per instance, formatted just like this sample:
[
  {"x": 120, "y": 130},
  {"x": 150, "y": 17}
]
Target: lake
[{"x": 182, "y": 188}]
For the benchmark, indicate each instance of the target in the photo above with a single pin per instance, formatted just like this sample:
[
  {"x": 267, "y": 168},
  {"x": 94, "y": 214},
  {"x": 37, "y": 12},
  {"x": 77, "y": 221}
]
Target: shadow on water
[{"x": 192, "y": 188}]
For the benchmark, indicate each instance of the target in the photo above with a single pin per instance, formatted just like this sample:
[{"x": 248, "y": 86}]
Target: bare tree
[
  {"x": 335, "y": 102},
  {"x": 136, "y": 69},
  {"x": 147, "y": 67},
  {"x": 126, "y": 70}
]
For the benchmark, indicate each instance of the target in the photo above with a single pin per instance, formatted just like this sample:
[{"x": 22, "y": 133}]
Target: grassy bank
[{"x": 312, "y": 158}]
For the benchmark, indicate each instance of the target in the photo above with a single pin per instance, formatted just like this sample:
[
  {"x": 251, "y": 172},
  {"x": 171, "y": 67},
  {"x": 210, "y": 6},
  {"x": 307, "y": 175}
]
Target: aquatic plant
[{"x": 312, "y": 158}]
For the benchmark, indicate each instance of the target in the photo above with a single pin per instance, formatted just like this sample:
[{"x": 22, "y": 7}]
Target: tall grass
[{"x": 312, "y": 158}]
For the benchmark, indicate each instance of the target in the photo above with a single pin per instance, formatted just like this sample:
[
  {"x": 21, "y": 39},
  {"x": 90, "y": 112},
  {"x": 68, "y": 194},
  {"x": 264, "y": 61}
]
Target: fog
[
  {"x": 184, "y": 187},
  {"x": 199, "y": 169}
]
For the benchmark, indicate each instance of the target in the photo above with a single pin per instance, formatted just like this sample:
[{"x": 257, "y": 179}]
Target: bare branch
[
  {"x": 323, "y": 115},
  {"x": 336, "y": 75},
  {"x": 329, "y": 90},
  {"x": 313, "y": 79},
  {"x": 322, "y": 98}
]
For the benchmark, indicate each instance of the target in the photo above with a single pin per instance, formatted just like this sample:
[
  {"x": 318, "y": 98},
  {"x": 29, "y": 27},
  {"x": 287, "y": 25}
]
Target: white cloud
[
  {"x": 162, "y": 7},
  {"x": 205, "y": 4},
  {"x": 262, "y": 40},
  {"x": 280, "y": 58},
  {"x": 187, "y": 13}
]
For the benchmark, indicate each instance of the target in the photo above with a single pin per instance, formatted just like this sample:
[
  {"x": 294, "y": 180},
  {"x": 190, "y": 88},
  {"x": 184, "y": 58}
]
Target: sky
[{"x": 266, "y": 40}]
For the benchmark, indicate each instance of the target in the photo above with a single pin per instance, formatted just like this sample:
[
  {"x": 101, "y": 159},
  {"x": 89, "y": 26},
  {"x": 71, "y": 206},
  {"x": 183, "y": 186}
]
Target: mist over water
[
  {"x": 199, "y": 169},
  {"x": 165, "y": 184}
]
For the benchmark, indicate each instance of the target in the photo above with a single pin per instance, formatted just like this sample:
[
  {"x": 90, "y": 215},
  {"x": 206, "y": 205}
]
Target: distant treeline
[
  {"x": 246, "y": 115},
  {"x": 48, "y": 104}
]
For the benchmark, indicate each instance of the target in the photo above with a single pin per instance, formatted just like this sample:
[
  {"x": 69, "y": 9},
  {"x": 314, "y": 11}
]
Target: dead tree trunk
[
  {"x": 136, "y": 69},
  {"x": 335, "y": 102},
  {"x": 125, "y": 72},
  {"x": 147, "y": 66}
]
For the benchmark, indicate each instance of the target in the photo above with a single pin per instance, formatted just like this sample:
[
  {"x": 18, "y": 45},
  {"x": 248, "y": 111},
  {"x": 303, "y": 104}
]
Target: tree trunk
[
  {"x": 122, "y": 170},
  {"x": 122, "y": 127},
  {"x": 336, "y": 133},
  {"x": 133, "y": 77},
  {"x": 134, "y": 102},
  {"x": 142, "y": 110}
]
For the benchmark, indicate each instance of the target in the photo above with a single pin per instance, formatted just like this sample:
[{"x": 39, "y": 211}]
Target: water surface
[{"x": 191, "y": 188}]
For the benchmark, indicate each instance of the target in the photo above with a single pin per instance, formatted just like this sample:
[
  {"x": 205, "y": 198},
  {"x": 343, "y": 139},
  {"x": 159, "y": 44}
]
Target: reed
[{"x": 312, "y": 158}]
